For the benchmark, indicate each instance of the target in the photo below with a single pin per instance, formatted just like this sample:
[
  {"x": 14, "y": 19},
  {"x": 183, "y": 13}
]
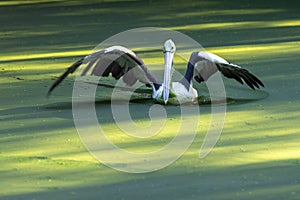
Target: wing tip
[
  {"x": 49, "y": 93},
  {"x": 69, "y": 70}
]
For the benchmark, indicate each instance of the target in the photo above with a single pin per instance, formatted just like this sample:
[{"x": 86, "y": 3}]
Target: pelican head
[
  {"x": 169, "y": 51},
  {"x": 169, "y": 46}
]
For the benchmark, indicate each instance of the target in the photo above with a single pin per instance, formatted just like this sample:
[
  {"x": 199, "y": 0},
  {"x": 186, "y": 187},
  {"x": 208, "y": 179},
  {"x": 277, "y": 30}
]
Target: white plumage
[{"x": 123, "y": 63}]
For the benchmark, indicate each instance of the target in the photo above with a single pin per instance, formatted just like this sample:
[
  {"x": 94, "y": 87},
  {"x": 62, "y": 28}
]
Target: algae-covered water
[{"x": 41, "y": 155}]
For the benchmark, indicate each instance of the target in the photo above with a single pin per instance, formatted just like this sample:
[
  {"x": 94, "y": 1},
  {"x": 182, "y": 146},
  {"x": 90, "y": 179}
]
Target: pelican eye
[{"x": 171, "y": 50}]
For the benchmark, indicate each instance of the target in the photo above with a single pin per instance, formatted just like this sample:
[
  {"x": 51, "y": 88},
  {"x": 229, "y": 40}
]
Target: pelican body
[{"x": 120, "y": 62}]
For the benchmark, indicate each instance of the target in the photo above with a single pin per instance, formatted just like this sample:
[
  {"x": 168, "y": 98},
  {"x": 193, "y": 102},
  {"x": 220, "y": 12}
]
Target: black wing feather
[
  {"x": 233, "y": 71},
  {"x": 88, "y": 67},
  {"x": 115, "y": 62},
  {"x": 70, "y": 70},
  {"x": 207, "y": 64},
  {"x": 226, "y": 72}
]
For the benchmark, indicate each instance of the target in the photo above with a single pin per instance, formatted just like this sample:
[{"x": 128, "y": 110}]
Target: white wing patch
[
  {"x": 212, "y": 57},
  {"x": 120, "y": 48}
]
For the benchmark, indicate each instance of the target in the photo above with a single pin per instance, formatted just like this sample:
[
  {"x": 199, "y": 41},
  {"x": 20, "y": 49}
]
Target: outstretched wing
[
  {"x": 206, "y": 64},
  {"x": 117, "y": 61}
]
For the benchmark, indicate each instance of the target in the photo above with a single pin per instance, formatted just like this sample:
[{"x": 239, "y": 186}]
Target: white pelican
[{"x": 123, "y": 63}]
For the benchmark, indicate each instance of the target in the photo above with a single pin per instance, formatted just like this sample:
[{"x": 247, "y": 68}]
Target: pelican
[{"x": 123, "y": 63}]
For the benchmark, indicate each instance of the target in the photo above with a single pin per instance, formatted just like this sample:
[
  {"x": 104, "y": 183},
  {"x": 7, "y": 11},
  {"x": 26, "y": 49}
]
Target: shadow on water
[
  {"x": 235, "y": 95},
  {"x": 138, "y": 107},
  {"x": 260, "y": 180},
  {"x": 148, "y": 101}
]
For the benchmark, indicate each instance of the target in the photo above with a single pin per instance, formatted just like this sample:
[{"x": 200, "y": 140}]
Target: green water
[{"x": 41, "y": 155}]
